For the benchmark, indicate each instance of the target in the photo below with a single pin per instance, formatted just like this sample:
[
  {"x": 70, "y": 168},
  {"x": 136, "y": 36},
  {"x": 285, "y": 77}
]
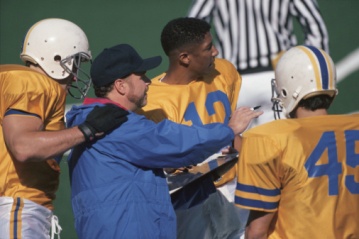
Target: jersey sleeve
[
  {"x": 36, "y": 94},
  {"x": 258, "y": 186}
]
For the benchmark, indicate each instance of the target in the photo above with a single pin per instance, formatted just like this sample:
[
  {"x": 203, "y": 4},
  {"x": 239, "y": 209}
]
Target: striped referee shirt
[{"x": 251, "y": 33}]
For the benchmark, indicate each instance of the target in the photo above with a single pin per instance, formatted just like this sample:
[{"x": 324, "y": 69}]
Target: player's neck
[
  {"x": 37, "y": 68},
  {"x": 304, "y": 113},
  {"x": 177, "y": 77}
]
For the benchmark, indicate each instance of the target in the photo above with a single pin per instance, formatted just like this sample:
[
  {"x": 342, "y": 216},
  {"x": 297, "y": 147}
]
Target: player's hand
[
  {"x": 102, "y": 120},
  {"x": 241, "y": 118}
]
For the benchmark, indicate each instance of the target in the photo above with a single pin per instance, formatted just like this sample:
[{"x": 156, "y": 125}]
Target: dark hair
[
  {"x": 183, "y": 31},
  {"x": 313, "y": 103},
  {"x": 102, "y": 91}
]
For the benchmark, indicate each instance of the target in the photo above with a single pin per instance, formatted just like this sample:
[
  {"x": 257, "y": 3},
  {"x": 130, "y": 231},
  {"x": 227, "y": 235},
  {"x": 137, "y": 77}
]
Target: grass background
[{"x": 139, "y": 23}]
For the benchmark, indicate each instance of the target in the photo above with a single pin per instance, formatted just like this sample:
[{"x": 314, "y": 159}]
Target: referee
[{"x": 252, "y": 34}]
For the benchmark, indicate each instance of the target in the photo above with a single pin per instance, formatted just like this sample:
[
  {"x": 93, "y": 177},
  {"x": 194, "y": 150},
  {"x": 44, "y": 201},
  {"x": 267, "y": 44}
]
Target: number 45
[{"x": 333, "y": 168}]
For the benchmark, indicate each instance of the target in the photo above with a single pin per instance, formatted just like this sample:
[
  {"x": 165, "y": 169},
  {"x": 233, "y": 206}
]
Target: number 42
[{"x": 334, "y": 168}]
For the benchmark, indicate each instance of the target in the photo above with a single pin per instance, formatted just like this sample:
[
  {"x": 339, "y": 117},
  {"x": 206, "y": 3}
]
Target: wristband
[{"x": 85, "y": 129}]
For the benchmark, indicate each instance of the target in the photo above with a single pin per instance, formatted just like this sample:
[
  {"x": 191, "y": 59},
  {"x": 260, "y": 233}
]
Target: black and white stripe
[{"x": 252, "y": 32}]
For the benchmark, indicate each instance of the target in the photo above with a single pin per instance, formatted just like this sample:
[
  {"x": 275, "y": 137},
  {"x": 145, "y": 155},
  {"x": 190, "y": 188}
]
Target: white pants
[
  {"x": 256, "y": 90},
  {"x": 22, "y": 218}
]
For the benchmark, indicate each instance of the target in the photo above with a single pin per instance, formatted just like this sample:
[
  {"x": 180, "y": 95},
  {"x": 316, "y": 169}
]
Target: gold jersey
[
  {"x": 211, "y": 100},
  {"x": 26, "y": 90},
  {"x": 306, "y": 170}
]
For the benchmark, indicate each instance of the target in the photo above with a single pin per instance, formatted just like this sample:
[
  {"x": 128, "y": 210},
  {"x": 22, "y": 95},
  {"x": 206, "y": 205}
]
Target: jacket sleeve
[{"x": 166, "y": 144}]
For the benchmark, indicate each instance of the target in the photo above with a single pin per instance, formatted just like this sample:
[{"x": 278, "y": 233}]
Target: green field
[{"x": 139, "y": 22}]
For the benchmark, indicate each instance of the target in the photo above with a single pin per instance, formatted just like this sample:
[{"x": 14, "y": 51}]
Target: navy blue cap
[{"x": 119, "y": 61}]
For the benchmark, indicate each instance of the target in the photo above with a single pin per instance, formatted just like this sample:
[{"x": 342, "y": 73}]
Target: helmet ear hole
[
  {"x": 284, "y": 93},
  {"x": 57, "y": 58}
]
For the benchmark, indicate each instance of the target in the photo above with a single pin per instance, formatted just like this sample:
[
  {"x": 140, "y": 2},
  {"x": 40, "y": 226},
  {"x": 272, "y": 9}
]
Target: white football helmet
[
  {"x": 302, "y": 72},
  {"x": 59, "y": 46}
]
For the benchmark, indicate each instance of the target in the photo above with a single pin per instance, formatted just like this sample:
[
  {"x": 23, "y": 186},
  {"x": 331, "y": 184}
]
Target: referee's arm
[
  {"x": 312, "y": 23},
  {"x": 202, "y": 9}
]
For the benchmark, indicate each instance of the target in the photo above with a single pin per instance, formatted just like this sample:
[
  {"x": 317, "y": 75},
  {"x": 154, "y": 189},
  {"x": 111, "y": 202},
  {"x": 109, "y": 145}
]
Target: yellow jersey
[
  {"x": 306, "y": 170},
  {"x": 210, "y": 100},
  {"x": 26, "y": 90}
]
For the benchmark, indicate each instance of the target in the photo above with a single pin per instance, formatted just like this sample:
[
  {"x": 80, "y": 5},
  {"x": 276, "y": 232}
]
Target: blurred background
[{"x": 139, "y": 23}]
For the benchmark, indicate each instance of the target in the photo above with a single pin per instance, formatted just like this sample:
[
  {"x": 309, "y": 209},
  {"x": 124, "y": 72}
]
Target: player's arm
[
  {"x": 258, "y": 224},
  {"x": 237, "y": 143},
  {"x": 26, "y": 139}
]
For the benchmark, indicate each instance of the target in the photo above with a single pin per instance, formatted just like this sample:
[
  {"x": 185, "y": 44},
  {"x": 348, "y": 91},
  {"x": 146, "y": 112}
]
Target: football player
[
  {"x": 300, "y": 176},
  {"x": 198, "y": 89},
  {"x": 32, "y": 130}
]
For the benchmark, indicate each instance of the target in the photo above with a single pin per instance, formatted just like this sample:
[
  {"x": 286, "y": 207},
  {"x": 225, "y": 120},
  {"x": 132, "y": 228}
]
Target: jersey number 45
[{"x": 334, "y": 167}]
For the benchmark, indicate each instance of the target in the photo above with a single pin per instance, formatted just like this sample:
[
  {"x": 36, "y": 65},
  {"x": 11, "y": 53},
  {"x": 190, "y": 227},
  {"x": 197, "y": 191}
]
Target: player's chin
[{"x": 210, "y": 68}]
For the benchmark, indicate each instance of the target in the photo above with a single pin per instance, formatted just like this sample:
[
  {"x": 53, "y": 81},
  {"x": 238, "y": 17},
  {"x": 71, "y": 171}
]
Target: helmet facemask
[
  {"x": 81, "y": 84},
  {"x": 277, "y": 105}
]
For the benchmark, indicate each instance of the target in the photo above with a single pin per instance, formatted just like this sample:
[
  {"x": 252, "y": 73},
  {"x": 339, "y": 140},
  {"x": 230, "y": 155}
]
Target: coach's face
[
  {"x": 201, "y": 56},
  {"x": 137, "y": 89}
]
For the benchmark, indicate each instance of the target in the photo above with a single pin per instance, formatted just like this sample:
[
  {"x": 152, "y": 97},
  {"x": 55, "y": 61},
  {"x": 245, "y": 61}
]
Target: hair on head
[{"x": 183, "y": 31}]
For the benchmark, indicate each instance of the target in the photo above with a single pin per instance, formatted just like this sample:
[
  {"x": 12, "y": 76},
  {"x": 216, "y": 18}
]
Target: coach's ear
[{"x": 121, "y": 86}]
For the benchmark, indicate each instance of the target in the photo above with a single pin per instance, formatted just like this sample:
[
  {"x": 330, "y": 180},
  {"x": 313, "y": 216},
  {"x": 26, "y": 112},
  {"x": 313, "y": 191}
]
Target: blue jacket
[{"x": 118, "y": 186}]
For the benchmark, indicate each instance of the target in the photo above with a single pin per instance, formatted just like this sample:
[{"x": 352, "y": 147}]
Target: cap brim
[{"x": 149, "y": 64}]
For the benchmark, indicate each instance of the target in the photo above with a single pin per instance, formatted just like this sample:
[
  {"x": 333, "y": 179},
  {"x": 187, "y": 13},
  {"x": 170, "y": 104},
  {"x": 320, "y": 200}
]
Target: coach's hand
[
  {"x": 102, "y": 120},
  {"x": 241, "y": 119}
]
